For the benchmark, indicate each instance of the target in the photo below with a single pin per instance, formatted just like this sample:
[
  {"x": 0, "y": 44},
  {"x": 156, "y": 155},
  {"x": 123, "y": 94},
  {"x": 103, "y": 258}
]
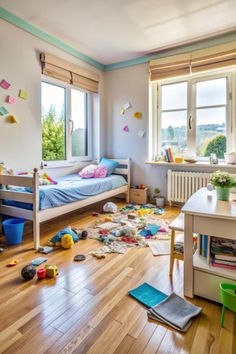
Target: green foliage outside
[
  {"x": 53, "y": 136},
  {"x": 216, "y": 145}
]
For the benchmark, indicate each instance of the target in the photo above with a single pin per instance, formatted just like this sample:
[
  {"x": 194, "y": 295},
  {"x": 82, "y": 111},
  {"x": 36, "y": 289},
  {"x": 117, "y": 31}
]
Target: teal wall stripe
[
  {"x": 37, "y": 32},
  {"x": 17, "y": 21}
]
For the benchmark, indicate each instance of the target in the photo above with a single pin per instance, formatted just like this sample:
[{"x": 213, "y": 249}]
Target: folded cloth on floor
[
  {"x": 175, "y": 312},
  {"x": 147, "y": 295}
]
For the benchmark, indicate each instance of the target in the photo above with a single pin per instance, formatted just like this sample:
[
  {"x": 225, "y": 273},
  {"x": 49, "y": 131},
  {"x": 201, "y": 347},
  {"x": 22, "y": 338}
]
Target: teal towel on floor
[{"x": 147, "y": 295}]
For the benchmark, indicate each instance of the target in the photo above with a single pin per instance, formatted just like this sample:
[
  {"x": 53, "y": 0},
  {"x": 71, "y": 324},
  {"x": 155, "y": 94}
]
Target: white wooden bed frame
[{"x": 37, "y": 216}]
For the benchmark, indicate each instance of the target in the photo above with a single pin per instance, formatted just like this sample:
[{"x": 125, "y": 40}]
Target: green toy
[{"x": 228, "y": 298}]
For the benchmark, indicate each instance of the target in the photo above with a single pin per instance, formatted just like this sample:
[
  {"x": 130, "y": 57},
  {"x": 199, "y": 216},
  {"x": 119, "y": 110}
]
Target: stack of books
[
  {"x": 169, "y": 155},
  {"x": 223, "y": 253},
  {"x": 203, "y": 245}
]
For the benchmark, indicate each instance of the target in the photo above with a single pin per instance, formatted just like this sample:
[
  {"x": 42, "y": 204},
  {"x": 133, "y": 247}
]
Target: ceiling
[{"x": 111, "y": 31}]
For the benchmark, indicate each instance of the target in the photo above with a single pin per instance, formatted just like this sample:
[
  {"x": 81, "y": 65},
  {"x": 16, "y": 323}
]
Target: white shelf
[
  {"x": 195, "y": 164},
  {"x": 200, "y": 263}
]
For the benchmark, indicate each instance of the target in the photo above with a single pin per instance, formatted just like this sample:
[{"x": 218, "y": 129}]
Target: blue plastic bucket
[{"x": 13, "y": 230}]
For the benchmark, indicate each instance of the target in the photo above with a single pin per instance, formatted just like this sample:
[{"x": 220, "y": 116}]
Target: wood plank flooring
[{"x": 86, "y": 308}]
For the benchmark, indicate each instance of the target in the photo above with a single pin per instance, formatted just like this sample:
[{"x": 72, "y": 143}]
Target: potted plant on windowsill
[
  {"x": 223, "y": 182},
  {"x": 160, "y": 201}
]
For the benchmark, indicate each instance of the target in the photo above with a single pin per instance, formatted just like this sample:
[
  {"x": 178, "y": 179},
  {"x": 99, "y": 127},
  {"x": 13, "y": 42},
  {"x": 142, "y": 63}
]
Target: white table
[{"x": 204, "y": 214}]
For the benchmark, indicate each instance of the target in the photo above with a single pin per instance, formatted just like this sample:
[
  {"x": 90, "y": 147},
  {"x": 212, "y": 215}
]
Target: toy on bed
[
  {"x": 44, "y": 179},
  {"x": 64, "y": 238}
]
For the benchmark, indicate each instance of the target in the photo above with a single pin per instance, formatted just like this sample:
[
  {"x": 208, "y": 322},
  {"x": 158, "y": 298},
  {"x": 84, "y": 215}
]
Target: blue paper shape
[{"x": 147, "y": 295}]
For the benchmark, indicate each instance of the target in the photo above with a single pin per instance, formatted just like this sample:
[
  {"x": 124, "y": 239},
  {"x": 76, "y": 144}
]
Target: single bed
[{"x": 41, "y": 203}]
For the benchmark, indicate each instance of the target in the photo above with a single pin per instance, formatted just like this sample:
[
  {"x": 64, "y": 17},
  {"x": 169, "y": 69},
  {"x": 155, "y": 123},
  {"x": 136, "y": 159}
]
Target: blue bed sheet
[{"x": 69, "y": 189}]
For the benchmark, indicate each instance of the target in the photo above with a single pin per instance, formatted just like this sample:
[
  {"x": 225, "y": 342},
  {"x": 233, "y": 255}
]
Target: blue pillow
[{"x": 109, "y": 164}]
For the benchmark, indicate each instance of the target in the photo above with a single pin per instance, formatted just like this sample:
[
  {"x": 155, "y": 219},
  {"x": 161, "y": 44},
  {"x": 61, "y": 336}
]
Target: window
[
  {"x": 64, "y": 122},
  {"x": 194, "y": 116}
]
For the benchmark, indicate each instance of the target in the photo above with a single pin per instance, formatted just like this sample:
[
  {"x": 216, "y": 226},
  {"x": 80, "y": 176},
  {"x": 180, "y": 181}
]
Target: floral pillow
[
  {"x": 93, "y": 171},
  {"x": 88, "y": 171}
]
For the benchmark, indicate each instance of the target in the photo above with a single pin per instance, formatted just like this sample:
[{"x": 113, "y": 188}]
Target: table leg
[{"x": 188, "y": 255}]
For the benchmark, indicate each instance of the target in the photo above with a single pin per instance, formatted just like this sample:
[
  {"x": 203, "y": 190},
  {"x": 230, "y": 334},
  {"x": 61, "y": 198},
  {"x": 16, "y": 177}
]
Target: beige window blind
[
  {"x": 213, "y": 58},
  {"x": 69, "y": 73}
]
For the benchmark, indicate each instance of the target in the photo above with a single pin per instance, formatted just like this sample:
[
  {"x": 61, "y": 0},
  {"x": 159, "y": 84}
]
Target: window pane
[
  {"x": 79, "y": 123},
  {"x": 53, "y": 122},
  {"x": 174, "y": 131},
  {"x": 211, "y": 131},
  {"x": 211, "y": 92},
  {"x": 174, "y": 96}
]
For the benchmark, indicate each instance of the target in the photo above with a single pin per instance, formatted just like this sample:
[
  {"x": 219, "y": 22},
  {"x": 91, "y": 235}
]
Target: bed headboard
[{"x": 123, "y": 168}]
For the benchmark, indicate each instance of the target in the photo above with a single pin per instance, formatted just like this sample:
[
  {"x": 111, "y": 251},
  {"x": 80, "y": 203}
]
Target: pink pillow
[
  {"x": 100, "y": 172},
  {"x": 88, "y": 171}
]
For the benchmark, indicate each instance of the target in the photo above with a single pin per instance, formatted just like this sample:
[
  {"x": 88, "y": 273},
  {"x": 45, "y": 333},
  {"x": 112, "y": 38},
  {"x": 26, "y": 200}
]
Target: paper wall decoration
[
  {"x": 23, "y": 94},
  {"x": 5, "y": 85},
  {"x": 12, "y": 119},
  {"x": 122, "y": 111},
  {"x": 3, "y": 111},
  {"x": 126, "y": 106},
  {"x": 126, "y": 129},
  {"x": 11, "y": 99},
  {"x": 138, "y": 115},
  {"x": 141, "y": 133}
]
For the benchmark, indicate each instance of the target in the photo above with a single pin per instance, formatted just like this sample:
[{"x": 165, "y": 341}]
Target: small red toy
[
  {"x": 103, "y": 232},
  {"x": 41, "y": 273}
]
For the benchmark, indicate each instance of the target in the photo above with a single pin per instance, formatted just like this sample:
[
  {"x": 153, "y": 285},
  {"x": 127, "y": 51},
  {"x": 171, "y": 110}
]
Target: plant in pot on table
[
  {"x": 160, "y": 201},
  {"x": 223, "y": 182}
]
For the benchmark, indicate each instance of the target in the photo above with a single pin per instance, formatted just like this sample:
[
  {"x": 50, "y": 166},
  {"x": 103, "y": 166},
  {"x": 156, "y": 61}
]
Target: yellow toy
[
  {"x": 142, "y": 212},
  {"x": 108, "y": 218},
  {"x": 52, "y": 270},
  {"x": 67, "y": 241}
]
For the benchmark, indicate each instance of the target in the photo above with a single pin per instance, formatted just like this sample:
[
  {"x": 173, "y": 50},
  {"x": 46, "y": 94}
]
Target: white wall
[{"x": 20, "y": 144}]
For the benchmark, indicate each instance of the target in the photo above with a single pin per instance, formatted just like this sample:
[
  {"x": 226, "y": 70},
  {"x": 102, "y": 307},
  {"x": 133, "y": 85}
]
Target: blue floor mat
[{"x": 147, "y": 295}]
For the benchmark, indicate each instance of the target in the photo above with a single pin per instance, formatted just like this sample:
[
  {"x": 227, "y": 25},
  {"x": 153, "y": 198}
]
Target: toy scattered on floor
[
  {"x": 84, "y": 235},
  {"x": 52, "y": 270},
  {"x": 45, "y": 249},
  {"x": 159, "y": 211},
  {"x": 108, "y": 218},
  {"x": 28, "y": 272},
  {"x": 104, "y": 232},
  {"x": 36, "y": 262},
  {"x": 79, "y": 257},
  {"x": 67, "y": 241},
  {"x": 95, "y": 213},
  {"x": 1, "y": 249},
  {"x": 110, "y": 207},
  {"x": 132, "y": 216},
  {"x": 150, "y": 230},
  {"x": 56, "y": 240},
  {"x": 41, "y": 273},
  {"x": 98, "y": 255},
  {"x": 12, "y": 263}
]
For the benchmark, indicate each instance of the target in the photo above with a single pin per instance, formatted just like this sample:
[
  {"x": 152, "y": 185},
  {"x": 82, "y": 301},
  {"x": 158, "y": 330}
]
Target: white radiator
[{"x": 181, "y": 185}]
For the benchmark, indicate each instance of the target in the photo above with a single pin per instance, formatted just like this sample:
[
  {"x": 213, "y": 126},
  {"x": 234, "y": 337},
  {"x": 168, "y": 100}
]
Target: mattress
[{"x": 70, "y": 189}]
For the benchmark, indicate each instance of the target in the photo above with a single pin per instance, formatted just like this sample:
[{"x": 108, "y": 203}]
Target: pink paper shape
[
  {"x": 126, "y": 129},
  {"x": 11, "y": 99},
  {"x": 4, "y": 84}
]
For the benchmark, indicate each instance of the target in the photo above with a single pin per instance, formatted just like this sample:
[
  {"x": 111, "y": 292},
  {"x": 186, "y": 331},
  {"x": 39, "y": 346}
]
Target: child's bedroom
[{"x": 118, "y": 176}]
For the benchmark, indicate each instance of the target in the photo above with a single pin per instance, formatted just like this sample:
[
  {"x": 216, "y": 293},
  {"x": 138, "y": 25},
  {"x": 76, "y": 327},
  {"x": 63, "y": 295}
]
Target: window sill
[{"x": 195, "y": 164}]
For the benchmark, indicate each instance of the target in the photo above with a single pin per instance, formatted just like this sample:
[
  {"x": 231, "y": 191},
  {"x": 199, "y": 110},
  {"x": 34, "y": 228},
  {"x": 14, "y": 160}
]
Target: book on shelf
[
  {"x": 225, "y": 257},
  {"x": 223, "y": 266},
  {"x": 217, "y": 261},
  {"x": 169, "y": 155}
]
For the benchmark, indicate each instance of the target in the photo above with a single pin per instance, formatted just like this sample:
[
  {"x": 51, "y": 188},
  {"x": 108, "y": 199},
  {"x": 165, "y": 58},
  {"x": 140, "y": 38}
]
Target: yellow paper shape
[
  {"x": 23, "y": 94},
  {"x": 122, "y": 111},
  {"x": 138, "y": 115},
  {"x": 12, "y": 119}
]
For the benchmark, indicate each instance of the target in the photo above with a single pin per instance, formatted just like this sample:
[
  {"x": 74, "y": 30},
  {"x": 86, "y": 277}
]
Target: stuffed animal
[
  {"x": 56, "y": 240},
  {"x": 67, "y": 241}
]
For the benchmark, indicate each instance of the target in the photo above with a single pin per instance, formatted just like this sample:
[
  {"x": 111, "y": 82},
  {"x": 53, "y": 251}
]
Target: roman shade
[
  {"x": 69, "y": 73},
  {"x": 213, "y": 58}
]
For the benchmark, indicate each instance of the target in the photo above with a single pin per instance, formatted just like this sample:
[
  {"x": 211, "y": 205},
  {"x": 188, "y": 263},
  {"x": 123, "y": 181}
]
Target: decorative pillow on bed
[
  {"x": 88, "y": 171},
  {"x": 100, "y": 172},
  {"x": 109, "y": 164}
]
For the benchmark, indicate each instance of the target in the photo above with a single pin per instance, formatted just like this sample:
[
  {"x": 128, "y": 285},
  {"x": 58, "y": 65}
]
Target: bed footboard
[{"x": 18, "y": 196}]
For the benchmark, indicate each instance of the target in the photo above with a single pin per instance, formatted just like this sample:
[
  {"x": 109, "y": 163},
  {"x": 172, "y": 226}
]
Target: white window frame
[
  {"x": 70, "y": 161},
  {"x": 191, "y": 111}
]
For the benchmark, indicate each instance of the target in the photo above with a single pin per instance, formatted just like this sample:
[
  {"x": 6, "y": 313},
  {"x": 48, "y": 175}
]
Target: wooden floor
[{"x": 87, "y": 310}]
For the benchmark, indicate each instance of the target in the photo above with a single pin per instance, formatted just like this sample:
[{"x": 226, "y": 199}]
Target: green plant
[
  {"x": 53, "y": 136},
  {"x": 217, "y": 145},
  {"x": 222, "y": 179},
  {"x": 156, "y": 192}
]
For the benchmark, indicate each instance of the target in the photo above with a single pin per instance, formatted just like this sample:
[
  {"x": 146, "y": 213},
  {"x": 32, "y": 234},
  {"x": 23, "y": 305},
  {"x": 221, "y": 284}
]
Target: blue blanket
[{"x": 70, "y": 189}]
